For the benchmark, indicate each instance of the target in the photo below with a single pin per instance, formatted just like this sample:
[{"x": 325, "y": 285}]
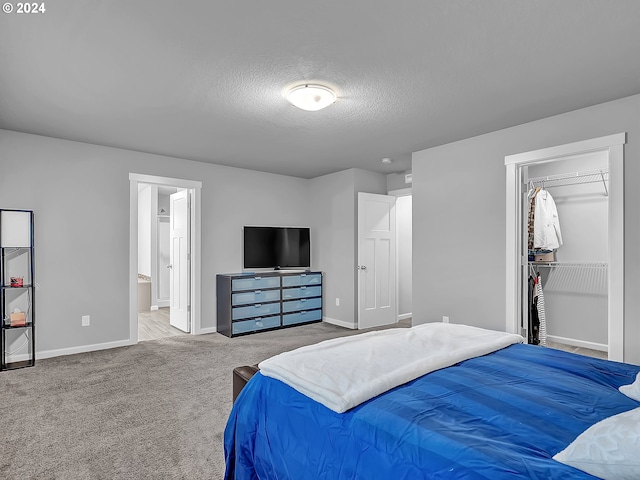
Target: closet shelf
[
  {"x": 570, "y": 264},
  {"x": 584, "y": 278},
  {"x": 573, "y": 178}
]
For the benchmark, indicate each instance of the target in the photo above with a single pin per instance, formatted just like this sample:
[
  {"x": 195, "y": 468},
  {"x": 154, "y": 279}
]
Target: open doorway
[
  {"x": 385, "y": 258},
  {"x": 519, "y": 262},
  {"x": 155, "y": 268},
  {"x": 164, "y": 257}
]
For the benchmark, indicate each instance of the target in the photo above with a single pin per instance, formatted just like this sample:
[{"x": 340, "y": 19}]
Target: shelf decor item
[
  {"x": 17, "y": 290},
  {"x": 18, "y": 319}
]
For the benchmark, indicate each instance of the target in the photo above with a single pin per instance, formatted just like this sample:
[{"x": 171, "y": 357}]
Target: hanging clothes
[
  {"x": 531, "y": 218},
  {"x": 534, "y": 321},
  {"x": 542, "y": 331},
  {"x": 546, "y": 228}
]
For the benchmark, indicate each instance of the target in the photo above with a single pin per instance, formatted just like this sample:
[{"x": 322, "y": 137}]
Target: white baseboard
[
  {"x": 206, "y": 330},
  {"x": 404, "y": 316},
  {"x": 71, "y": 350},
  {"x": 85, "y": 348},
  {"x": 124, "y": 343},
  {"x": 340, "y": 323},
  {"x": 579, "y": 343}
]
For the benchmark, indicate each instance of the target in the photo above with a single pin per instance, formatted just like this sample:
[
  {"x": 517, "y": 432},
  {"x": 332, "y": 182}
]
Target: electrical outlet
[
  {"x": 445, "y": 319},
  {"x": 337, "y": 302},
  {"x": 86, "y": 320}
]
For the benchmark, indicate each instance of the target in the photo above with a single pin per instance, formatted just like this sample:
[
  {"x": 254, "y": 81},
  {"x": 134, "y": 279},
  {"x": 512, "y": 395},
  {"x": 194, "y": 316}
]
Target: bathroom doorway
[{"x": 164, "y": 257}]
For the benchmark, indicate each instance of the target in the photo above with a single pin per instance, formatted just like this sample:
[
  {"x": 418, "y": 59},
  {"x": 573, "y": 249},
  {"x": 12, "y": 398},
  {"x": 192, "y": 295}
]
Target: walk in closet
[
  {"x": 572, "y": 305},
  {"x": 583, "y": 279}
]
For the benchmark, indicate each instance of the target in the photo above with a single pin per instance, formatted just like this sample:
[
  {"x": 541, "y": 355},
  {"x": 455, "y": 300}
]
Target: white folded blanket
[
  {"x": 632, "y": 390},
  {"x": 344, "y": 372}
]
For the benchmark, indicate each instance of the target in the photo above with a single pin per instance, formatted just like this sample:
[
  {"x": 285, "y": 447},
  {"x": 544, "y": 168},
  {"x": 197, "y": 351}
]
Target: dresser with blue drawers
[{"x": 253, "y": 302}]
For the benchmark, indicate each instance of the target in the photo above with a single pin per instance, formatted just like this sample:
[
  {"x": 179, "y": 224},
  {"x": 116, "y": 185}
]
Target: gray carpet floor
[{"x": 155, "y": 410}]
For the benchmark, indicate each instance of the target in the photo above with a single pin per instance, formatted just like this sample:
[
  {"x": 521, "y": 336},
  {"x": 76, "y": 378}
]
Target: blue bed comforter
[{"x": 502, "y": 415}]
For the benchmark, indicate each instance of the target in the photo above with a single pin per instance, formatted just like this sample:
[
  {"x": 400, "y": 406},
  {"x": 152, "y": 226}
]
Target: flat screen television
[{"x": 276, "y": 247}]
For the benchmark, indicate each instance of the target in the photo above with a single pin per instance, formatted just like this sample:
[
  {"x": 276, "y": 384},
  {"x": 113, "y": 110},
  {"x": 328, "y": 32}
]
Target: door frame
[
  {"x": 194, "y": 188},
  {"x": 614, "y": 146},
  {"x": 403, "y": 192}
]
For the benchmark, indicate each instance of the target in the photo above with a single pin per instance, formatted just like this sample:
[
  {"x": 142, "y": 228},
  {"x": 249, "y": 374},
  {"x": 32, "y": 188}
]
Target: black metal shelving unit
[{"x": 17, "y": 289}]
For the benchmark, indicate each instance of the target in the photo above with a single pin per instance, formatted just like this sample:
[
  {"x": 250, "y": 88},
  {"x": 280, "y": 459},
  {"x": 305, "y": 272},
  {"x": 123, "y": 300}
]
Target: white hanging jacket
[{"x": 546, "y": 225}]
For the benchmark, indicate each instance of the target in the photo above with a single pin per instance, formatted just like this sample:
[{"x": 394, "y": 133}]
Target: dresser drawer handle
[
  {"x": 257, "y": 292},
  {"x": 257, "y": 278},
  {"x": 303, "y": 288},
  {"x": 258, "y": 305}
]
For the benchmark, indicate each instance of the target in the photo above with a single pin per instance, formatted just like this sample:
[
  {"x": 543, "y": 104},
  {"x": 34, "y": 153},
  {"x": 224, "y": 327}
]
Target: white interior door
[
  {"x": 376, "y": 260},
  {"x": 179, "y": 261}
]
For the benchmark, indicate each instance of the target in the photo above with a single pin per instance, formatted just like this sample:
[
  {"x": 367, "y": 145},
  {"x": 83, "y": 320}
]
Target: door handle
[
  {"x": 169, "y": 266},
  {"x": 363, "y": 267}
]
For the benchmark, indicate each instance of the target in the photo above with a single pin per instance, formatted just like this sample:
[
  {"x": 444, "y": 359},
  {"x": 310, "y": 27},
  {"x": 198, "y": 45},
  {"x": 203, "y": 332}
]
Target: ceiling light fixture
[
  {"x": 386, "y": 160},
  {"x": 311, "y": 97}
]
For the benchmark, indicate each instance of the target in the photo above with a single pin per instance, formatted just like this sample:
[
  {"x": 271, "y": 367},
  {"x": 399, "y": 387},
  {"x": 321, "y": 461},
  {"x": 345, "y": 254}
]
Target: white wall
[
  {"x": 458, "y": 223},
  {"x": 397, "y": 181},
  {"x": 164, "y": 196},
  {"x": 80, "y": 195},
  {"x": 77, "y": 237},
  {"x": 459, "y": 210},
  {"x": 332, "y": 242}
]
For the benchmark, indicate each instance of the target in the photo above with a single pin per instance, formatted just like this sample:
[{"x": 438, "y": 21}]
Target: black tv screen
[{"x": 277, "y": 247}]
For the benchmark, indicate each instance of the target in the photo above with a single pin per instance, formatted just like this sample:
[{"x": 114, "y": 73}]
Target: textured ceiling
[{"x": 203, "y": 80}]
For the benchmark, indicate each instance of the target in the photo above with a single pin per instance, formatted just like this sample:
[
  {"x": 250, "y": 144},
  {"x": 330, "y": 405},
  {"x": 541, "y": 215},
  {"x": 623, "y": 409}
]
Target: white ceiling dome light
[{"x": 311, "y": 97}]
